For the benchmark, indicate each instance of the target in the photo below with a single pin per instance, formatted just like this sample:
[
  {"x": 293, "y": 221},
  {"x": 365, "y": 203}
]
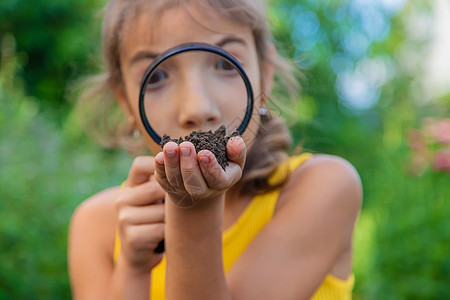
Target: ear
[
  {"x": 268, "y": 70},
  {"x": 125, "y": 105}
]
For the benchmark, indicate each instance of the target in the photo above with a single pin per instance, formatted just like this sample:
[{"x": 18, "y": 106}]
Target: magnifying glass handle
[{"x": 160, "y": 247}]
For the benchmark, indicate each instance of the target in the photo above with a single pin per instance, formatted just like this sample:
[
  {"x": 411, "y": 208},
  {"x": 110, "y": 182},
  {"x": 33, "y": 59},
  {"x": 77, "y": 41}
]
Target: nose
[{"x": 197, "y": 108}]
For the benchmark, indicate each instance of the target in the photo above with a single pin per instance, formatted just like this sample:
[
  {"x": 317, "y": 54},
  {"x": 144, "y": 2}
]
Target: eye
[
  {"x": 225, "y": 66},
  {"x": 156, "y": 79}
]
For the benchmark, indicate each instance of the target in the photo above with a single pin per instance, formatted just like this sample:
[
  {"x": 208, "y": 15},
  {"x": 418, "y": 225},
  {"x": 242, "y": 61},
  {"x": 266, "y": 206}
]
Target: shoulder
[
  {"x": 324, "y": 186},
  {"x": 326, "y": 172},
  {"x": 94, "y": 221},
  {"x": 91, "y": 244},
  {"x": 329, "y": 164},
  {"x": 98, "y": 207},
  {"x": 311, "y": 229}
]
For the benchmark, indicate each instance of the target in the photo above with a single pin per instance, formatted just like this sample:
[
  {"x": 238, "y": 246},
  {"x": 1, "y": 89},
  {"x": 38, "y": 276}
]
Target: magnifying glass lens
[{"x": 195, "y": 90}]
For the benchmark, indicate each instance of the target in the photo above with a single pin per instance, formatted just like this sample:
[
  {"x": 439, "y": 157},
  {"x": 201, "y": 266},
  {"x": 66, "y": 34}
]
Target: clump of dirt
[{"x": 216, "y": 142}]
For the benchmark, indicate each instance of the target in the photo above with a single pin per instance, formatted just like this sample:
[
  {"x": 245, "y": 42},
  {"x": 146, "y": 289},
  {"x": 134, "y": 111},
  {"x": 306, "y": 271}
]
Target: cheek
[
  {"x": 252, "y": 129},
  {"x": 131, "y": 88},
  {"x": 255, "y": 76}
]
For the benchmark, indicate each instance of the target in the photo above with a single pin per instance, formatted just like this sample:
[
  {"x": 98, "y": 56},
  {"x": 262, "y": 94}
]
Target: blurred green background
[{"x": 371, "y": 93}]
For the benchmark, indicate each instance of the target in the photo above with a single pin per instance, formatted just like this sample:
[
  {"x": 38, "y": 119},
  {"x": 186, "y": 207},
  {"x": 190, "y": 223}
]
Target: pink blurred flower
[
  {"x": 442, "y": 160},
  {"x": 416, "y": 140},
  {"x": 419, "y": 152},
  {"x": 430, "y": 146},
  {"x": 438, "y": 129}
]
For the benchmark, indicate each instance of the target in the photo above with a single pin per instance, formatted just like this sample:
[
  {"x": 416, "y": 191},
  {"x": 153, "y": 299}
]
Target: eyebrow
[
  {"x": 151, "y": 55},
  {"x": 228, "y": 40},
  {"x": 143, "y": 55}
]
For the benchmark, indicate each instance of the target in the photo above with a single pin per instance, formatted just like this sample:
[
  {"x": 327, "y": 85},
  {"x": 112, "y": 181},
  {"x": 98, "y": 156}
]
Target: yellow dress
[{"x": 237, "y": 237}]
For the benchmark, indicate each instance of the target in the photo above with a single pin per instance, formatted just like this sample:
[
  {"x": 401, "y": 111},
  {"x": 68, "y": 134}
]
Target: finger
[
  {"x": 143, "y": 237},
  {"x": 139, "y": 215},
  {"x": 141, "y": 170},
  {"x": 215, "y": 176},
  {"x": 144, "y": 194},
  {"x": 160, "y": 174},
  {"x": 193, "y": 180},
  {"x": 237, "y": 151},
  {"x": 172, "y": 165},
  {"x": 160, "y": 170}
]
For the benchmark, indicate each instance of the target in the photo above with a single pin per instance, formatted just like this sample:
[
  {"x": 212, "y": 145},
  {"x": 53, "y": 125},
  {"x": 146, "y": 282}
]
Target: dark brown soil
[{"x": 216, "y": 142}]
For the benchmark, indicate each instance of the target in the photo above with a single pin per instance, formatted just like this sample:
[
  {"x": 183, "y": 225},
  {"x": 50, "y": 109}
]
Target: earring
[
  {"x": 136, "y": 134},
  {"x": 263, "y": 111}
]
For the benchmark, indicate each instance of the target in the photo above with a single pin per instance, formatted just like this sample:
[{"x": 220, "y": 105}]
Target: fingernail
[
  {"x": 185, "y": 151},
  {"x": 204, "y": 159},
  {"x": 159, "y": 159},
  {"x": 171, "y": 153},
  {"x": 236, "y": 140}
]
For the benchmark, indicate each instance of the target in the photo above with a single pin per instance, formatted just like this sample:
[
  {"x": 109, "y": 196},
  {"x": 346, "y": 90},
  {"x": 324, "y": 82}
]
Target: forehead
[{"x": 165, "y": 27}]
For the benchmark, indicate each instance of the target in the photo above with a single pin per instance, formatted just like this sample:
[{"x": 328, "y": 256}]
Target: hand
[
  {"x": 189, "y": 178},
  {"x": 141, "y": 216}
]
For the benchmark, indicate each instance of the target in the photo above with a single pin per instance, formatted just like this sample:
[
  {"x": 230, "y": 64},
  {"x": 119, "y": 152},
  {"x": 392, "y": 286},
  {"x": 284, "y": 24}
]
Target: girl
[{"x": 266, "y": 228}]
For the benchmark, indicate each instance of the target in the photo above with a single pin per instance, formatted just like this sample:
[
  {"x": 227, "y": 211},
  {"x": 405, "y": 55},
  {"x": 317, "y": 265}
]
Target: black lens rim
[{"x": 186, "y": 48}]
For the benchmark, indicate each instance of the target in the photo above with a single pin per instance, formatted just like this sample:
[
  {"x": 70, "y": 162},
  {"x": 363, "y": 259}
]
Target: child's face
[{"x": 174, "y": 26}]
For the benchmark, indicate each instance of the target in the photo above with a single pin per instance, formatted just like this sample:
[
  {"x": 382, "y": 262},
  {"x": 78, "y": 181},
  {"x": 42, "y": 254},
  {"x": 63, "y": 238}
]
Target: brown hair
[{"x": 104, "y": 122}]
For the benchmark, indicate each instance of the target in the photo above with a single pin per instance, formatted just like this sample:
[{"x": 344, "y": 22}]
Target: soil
[{"x": 216, "y": 142}]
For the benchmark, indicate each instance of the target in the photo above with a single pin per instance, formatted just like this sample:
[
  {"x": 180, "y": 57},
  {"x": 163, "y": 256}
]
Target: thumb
[{"x": 237, "y": 151}]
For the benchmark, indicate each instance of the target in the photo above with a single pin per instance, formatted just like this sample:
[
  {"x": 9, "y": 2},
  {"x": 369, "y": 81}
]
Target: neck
[{"x": 235, "y": 204}]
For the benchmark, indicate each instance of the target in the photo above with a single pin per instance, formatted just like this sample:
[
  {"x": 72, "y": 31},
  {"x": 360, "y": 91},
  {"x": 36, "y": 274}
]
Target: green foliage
[
  {"x": 57, "y": 40},
  {"x": 44, "y": 175},
  {"x": 48, "y": 166},
  {"x": 412, "y": 238},
  {"x": 403, "y": 233}
]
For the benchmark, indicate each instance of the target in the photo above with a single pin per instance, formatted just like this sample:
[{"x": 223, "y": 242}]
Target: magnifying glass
[{"x": 196, "y": 79}]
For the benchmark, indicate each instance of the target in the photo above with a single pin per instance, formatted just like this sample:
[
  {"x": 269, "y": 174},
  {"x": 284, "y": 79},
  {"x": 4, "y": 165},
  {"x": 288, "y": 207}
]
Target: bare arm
[
  {"x": 91, "y": 244},
  {"x": 287, "y": 260},
  {"x": 293, "y": 253},
  {"x": 194, "y": 217},
  {"x": 138, "y": 214}
]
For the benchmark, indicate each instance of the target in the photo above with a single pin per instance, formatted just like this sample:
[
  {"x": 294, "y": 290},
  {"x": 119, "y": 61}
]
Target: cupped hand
[
  {"x": 189, "y": 178},
  {"x": 141, "y": 212}
]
